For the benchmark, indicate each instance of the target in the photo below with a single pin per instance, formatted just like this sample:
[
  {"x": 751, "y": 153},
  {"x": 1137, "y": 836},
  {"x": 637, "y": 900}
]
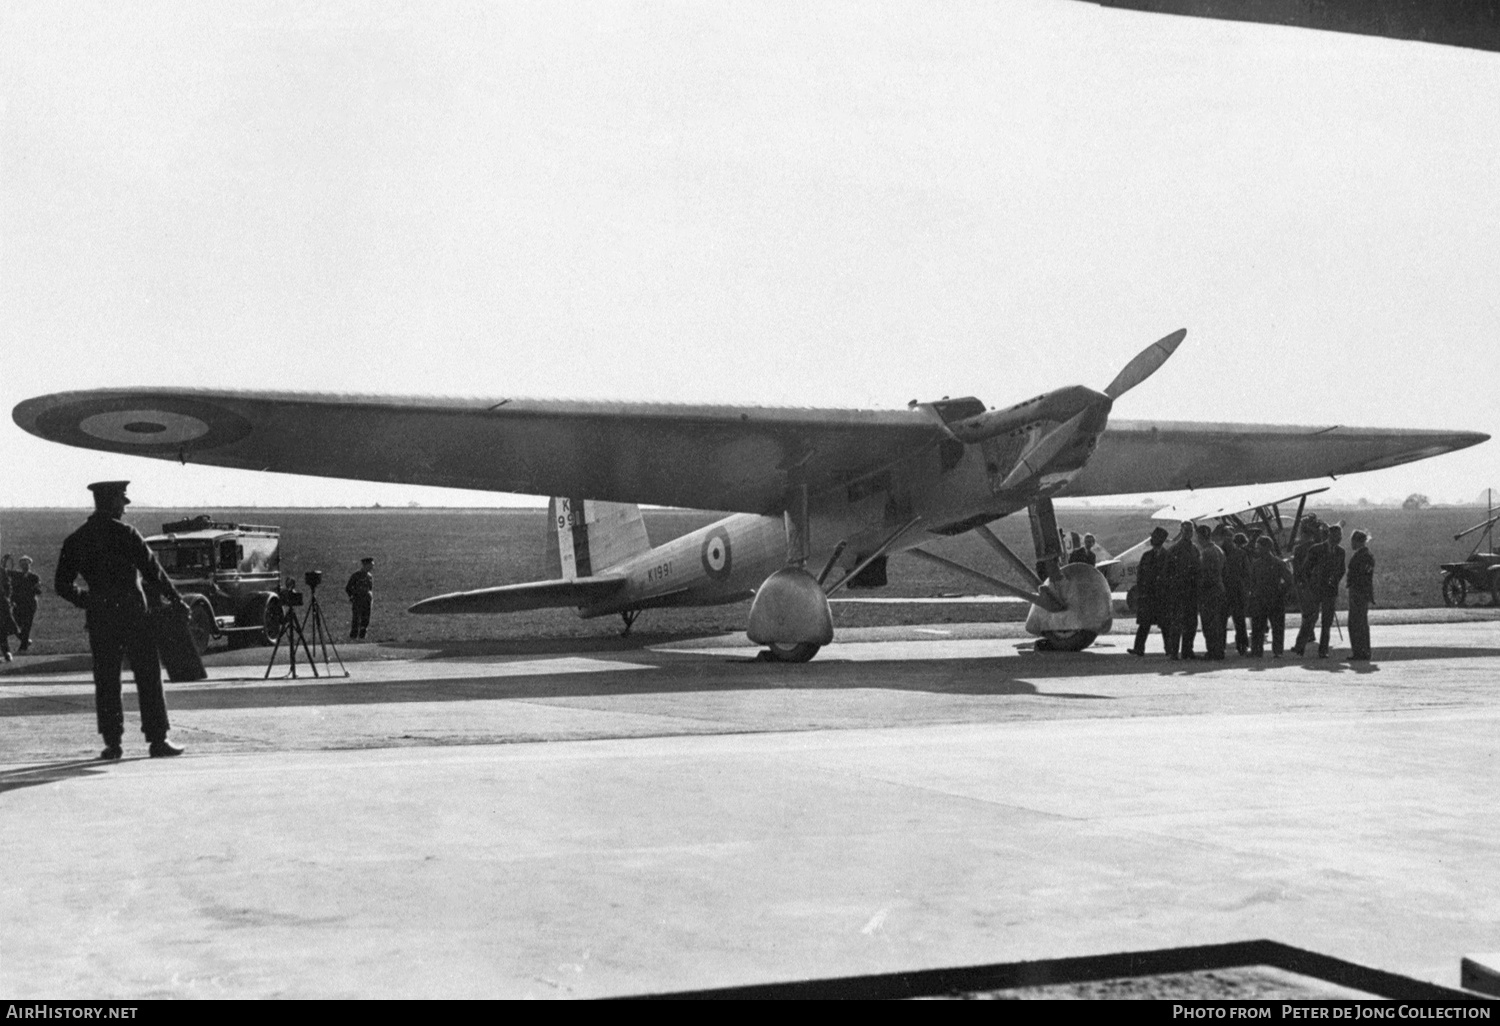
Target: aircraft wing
[
  {"x": 1243, "y": 503},
  {"x": 734, "y": 458},
  {"x": 1157, "y": 456},
  {"x": 516, "y": 598}
]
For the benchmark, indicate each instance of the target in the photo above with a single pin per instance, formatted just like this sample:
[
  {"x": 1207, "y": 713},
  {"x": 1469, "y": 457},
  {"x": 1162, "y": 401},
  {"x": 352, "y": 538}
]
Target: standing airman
[
  {"x": 1237, "y": 586},
  {"x": 361, "y": 592},
  {"x": 115, "y": 562},
  {"x": 1210, "y": 593},
  {"x": 1269, "y": 580},
  {"x": 1361, "y": 596},
  {"x": 1153, "y": 597},
  {"x": 1182, "y": 559}
]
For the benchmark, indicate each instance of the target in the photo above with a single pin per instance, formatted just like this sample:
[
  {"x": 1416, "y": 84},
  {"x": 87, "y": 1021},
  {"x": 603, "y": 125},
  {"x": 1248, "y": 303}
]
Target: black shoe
[
  {"x": 111, "y": 752},
  {"x": 1190, "y": 655},
  {"x": 164, "y": 749},
  {"x": 1135, "y": 651}
]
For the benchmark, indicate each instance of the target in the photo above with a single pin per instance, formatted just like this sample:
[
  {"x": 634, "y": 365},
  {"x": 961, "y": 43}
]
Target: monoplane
[{"x": 819, "y": 498}]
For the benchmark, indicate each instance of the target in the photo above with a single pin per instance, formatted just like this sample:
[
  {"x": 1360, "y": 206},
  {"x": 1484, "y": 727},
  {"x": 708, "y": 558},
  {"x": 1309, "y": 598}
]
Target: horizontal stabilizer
[{"x": 516, "y": 598}]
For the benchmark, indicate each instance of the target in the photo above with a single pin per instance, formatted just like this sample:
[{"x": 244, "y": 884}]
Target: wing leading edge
[
  {"x": 734, "y": 458},
  {"x": 701, "y": 457},
  {"x": 1153, "y": 456}
]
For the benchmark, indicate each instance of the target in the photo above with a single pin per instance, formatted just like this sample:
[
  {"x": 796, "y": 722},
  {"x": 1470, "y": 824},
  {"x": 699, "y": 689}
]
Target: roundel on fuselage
[{"x": 717, "y": 559}]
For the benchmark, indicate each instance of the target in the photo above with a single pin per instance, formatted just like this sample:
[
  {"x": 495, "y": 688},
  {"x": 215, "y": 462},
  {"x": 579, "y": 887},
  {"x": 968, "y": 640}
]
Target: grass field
[{"x": 422, "y": 552}]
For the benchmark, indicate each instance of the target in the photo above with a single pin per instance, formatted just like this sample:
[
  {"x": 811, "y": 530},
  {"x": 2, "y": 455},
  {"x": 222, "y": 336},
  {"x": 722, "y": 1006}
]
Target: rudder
[{"x": 586, "y": 537}]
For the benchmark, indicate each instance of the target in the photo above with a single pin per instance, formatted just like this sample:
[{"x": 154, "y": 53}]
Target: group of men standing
[{"x": 1208, "y": 579}]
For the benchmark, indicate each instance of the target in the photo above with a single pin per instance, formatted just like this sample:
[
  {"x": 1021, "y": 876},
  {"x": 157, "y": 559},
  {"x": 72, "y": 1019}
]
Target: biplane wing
[{"x": 1235, "y": 506}]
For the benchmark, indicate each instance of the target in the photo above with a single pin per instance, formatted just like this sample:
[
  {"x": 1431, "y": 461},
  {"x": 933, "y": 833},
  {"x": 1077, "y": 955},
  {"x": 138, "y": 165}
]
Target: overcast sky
[{"x": 831, "y": 204}]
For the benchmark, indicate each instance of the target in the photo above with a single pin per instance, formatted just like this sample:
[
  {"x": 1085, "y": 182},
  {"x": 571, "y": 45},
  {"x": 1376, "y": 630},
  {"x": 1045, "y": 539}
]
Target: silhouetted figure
[
  {"x": 361, "y": 592},
  {"x": 1153, "y": 597},
  {"x": 1237, "y": 587},
  {"x": 1182, "y": 558},
  {"x": 1361, "y": 596},
  {"x": 1269, "y": 581},
  {"x": 115, "y": 562},
  {"x": 1210, "y": 593}
]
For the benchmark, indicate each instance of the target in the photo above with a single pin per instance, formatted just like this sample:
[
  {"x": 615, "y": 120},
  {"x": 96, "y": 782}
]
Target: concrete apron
[{"x": 1347, "y": 813}]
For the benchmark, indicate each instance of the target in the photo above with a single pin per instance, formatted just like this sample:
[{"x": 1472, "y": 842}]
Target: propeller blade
[
  {"x": 1040, "y": 454},
  {"x": 1145, "y": 364}
]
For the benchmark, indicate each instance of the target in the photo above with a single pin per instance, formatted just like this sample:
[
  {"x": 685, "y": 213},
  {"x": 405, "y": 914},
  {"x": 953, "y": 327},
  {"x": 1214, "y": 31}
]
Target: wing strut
[
  {"x": 1036, "y": 598},
  {"x": 884, "y": 547},
  {"x": 1006, "y": 553}
]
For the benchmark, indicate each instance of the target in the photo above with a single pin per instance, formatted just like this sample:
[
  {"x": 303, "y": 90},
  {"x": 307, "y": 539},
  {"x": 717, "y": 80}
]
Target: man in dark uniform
[
  {"x": 1326, "y": 579},
  {"x": 1153, "y": 597},
  {"x": 361, "y": 592},
  {"x": 1305, "y": 555},
  {"x": 1268, "y": 587},
  {"x": 1211, "y": 592},
  {"x": 25, "y": 590},
  {"x": 1182, "y": 561},
  {"x": 1237, "y": 587},
  {"x": 1361, "y": 597},
  {"x": 1085, "y": 553},
  {"x": 115, "y": 562}
]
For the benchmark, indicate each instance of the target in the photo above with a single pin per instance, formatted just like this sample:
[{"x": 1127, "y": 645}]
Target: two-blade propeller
[{"x": 1146, "y": 363}]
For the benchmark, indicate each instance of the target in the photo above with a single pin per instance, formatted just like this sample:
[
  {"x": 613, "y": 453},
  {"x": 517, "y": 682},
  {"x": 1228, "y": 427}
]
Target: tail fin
[{"x": 586, "y": 537}]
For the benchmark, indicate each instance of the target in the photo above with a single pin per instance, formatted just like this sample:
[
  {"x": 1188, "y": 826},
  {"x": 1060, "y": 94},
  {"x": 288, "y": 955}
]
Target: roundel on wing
[
  {"x": 717, "y": 559},
  {"x": 145, "y": 424}
]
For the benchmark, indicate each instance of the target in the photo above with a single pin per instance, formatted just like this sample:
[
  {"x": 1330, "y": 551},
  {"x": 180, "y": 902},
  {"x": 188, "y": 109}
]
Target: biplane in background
[
  {"x": 819, "y": 498},
  {"x": 1253, "y": 514}
]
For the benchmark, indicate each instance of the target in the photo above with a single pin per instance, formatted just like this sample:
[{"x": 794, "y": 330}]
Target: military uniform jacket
[
  {"x": 1236, "y": 570},
  {"x": 361, "y": 583},
  {"x": 1182, "y": 561},
  {"x": 25, "y": 589},
  {"x": 116, "y": 562},
  {"x": 1328, "y": 571},
  {"x": 1268, "y": 579},
  {"x": 1362, "y": 573},
  {"x": 1210, "y": 571},
  {"x": 1081, "y": 555},
  {"x": 1153, "y": 588}
]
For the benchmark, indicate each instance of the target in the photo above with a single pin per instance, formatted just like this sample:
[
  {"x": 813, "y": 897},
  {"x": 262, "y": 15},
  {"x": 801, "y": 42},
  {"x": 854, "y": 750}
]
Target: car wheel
[
  {"x": 1455, "y": 591},
  {"x": 200, "y": 624},
  {"x": 264, "y": 614}
]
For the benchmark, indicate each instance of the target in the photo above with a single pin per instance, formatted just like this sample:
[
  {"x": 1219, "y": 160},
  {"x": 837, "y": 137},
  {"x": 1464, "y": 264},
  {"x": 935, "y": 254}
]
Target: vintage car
[
  {"x": 1480, "y": 572},
  {"x": 228, "y": 573}
]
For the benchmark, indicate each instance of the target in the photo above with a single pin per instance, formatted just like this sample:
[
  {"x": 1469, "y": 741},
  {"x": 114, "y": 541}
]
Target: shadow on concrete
[
  {"x": 668, "y": 673},
  {"x": 664, "y": 676},
  {"x": 49, "y": 773}
]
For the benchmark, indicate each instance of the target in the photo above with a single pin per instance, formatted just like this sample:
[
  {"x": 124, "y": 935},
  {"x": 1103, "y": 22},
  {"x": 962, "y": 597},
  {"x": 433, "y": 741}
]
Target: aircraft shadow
[
  {"x": 49, "y": 773},
  {"x": 672, "y": 675},
  {"x": 684, "y": 673}
]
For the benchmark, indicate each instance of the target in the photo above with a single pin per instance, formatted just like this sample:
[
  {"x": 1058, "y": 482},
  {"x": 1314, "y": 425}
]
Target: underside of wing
[
  {"x": 517, "y": 598},
  {"x": 704, "y": 457},
  {"x": 1152, "y": 456}
]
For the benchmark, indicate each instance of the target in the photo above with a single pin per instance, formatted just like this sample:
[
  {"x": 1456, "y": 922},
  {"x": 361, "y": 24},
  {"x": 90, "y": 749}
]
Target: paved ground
[{"x": 634, "y": 817}]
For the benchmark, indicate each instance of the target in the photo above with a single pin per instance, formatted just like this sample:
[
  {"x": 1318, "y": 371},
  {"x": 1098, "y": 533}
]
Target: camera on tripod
[
  {"x": 289, "y": 594},
  {"x": 313, "y": 579}
]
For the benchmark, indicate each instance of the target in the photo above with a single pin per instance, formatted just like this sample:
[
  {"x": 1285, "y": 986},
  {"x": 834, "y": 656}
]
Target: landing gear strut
[{"x": 629, "y": 616}]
